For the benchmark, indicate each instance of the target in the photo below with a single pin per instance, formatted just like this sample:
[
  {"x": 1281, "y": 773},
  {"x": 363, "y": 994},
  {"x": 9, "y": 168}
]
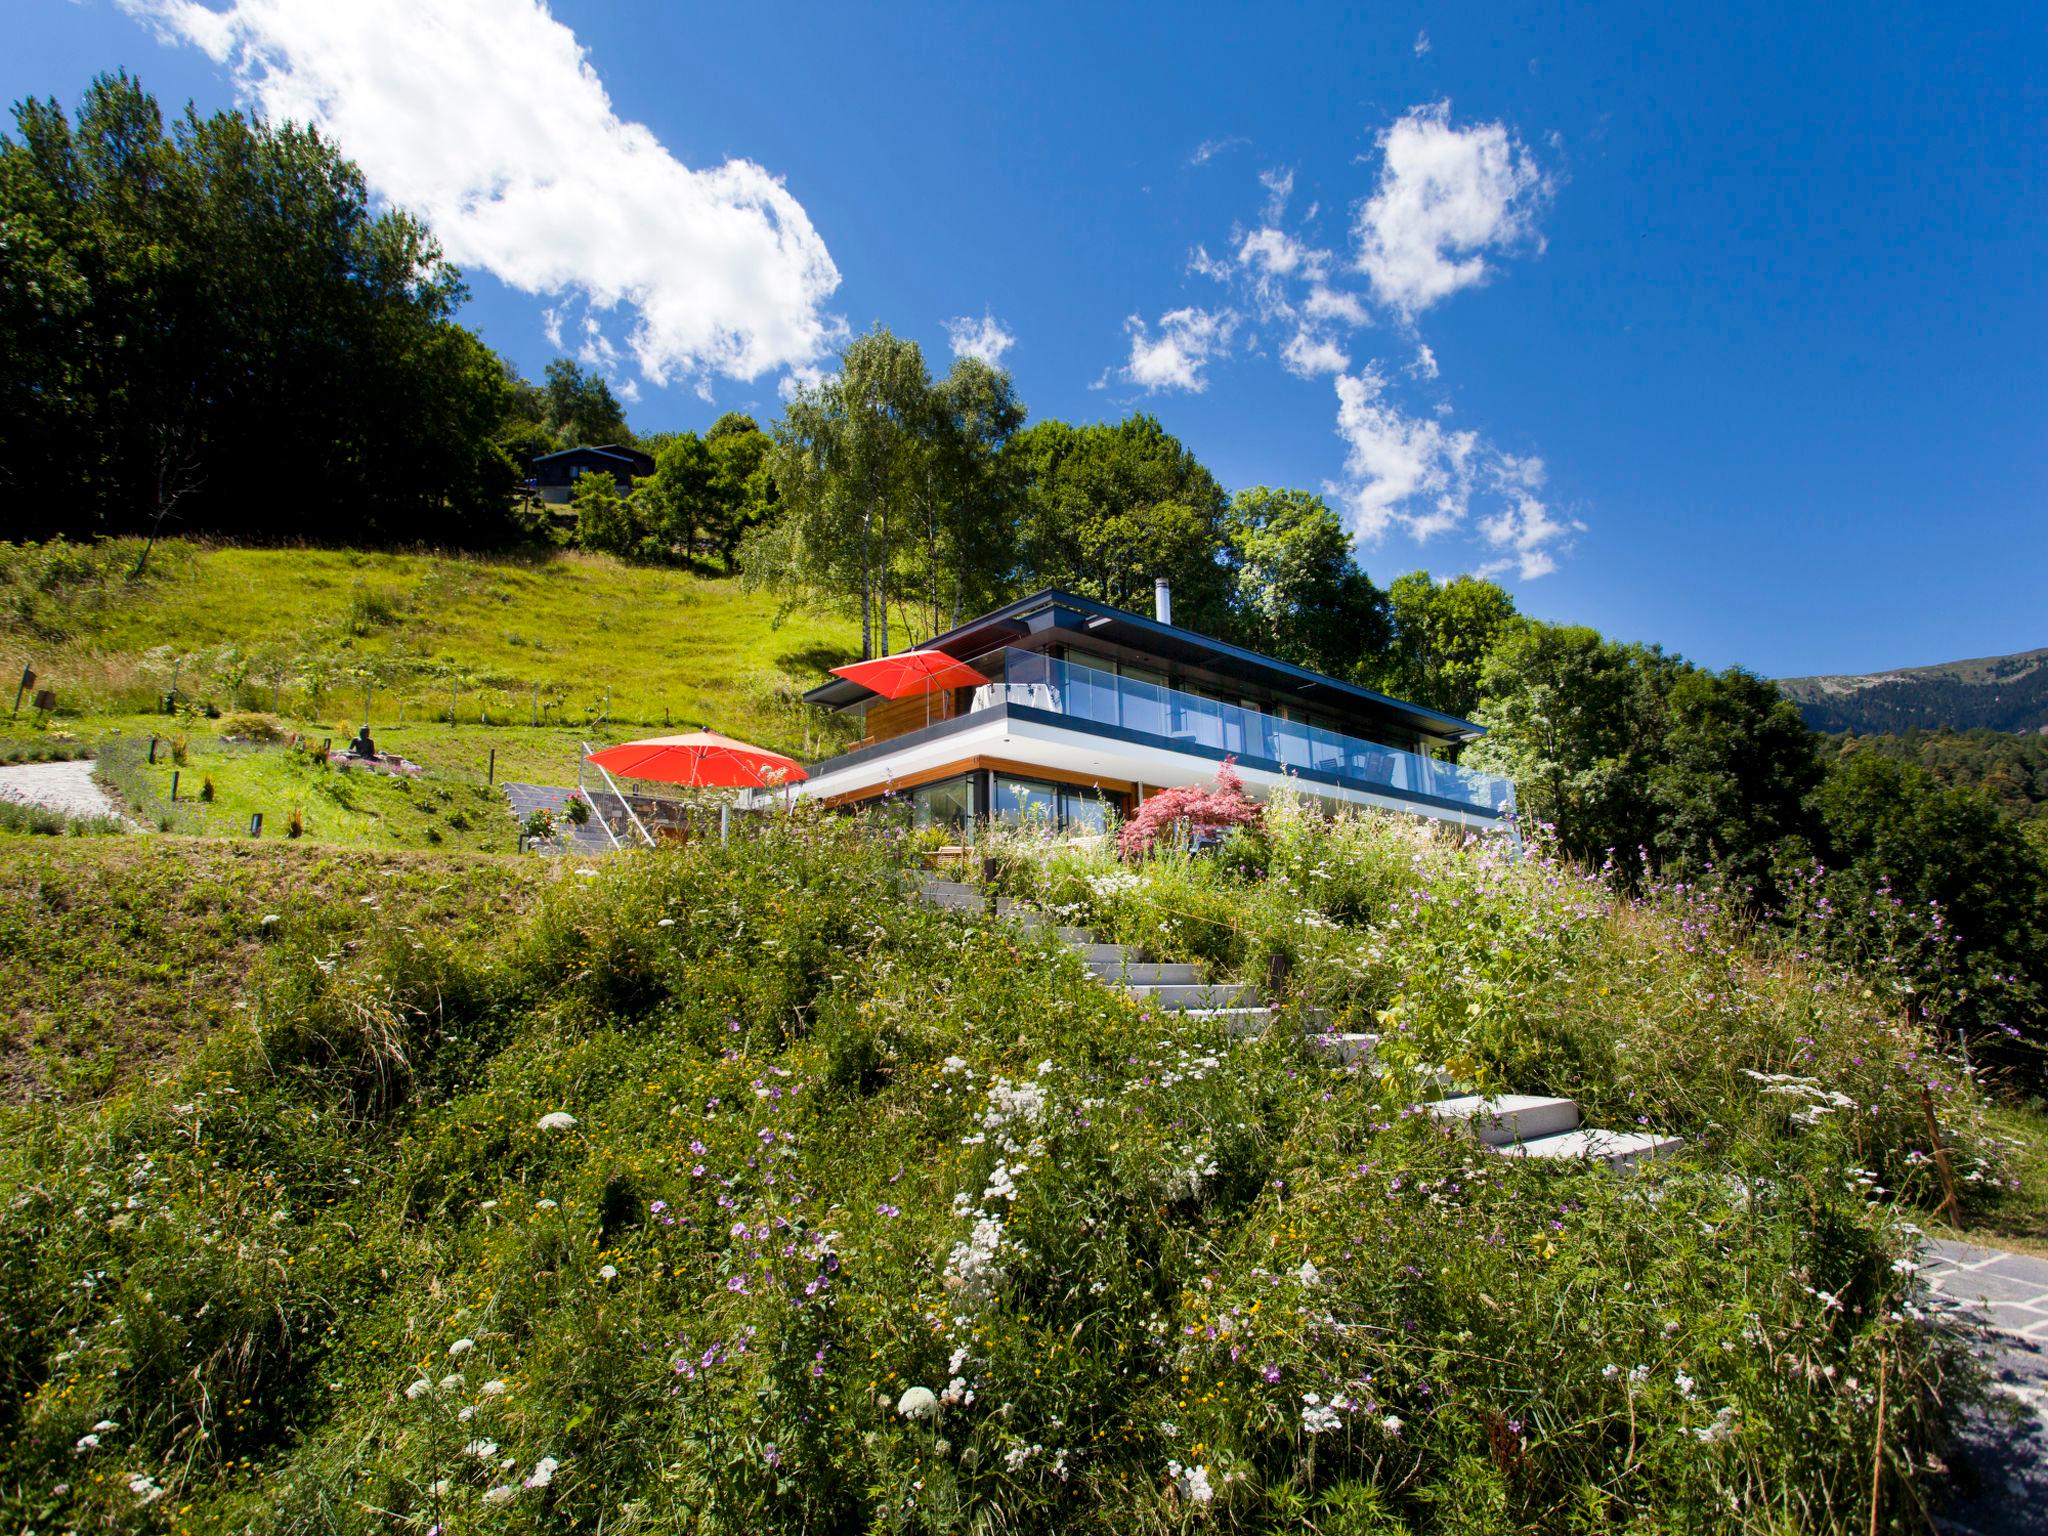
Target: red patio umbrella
[
  {"x": 700, "y": 759},
  {"x": 899, "y": 676}
]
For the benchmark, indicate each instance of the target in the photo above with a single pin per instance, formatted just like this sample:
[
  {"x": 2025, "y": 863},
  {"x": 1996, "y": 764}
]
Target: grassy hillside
[
  {"x": 730, "y": 1190},
  {"x": 475, "y": 668},
  {"x": 121, "y": 955},
  {"x": 2000, "y": 693},
  {"x": 549, "y": 637}
]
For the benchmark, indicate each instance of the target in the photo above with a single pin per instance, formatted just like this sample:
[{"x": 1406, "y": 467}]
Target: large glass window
[
  {"x": 1083, "y": 810},
  {"x": 1061, "y": 805},
  {"x": 948, "y": 803},
  {"x": 1020, "y": 800}
]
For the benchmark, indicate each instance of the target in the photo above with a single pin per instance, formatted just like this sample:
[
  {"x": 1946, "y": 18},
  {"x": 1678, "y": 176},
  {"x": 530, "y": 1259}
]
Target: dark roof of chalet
[
  {"x": 1040, "y": 611},
  {"x": 625, "y": 454}
]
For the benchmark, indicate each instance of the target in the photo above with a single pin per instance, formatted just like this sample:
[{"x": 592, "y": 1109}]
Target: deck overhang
[{"x": 1022, "y": 738}]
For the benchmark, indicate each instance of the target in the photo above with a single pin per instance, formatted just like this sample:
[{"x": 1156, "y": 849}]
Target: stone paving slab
[
  {"x": 525, "y": 799},
  {"x": 2009, "y": 1291}
]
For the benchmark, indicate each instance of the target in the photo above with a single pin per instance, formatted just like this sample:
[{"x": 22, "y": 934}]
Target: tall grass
[{"x": 734, "y": 1190}]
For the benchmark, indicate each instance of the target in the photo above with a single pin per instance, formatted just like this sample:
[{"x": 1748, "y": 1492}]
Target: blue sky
[{"x": 1725, "y": 332}]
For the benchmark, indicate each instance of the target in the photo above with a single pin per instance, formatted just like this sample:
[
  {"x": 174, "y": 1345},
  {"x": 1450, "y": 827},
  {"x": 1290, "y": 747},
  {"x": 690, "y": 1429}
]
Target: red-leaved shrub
[{"x": 1199, "y": 810}]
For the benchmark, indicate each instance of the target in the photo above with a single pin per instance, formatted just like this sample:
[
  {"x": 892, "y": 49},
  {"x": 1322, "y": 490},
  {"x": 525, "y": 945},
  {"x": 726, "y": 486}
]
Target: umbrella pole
[{"x": 724, "y": 820}]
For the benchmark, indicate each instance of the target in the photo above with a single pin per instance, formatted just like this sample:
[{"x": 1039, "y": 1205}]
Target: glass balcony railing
[{"x": 1089, "y": 693}]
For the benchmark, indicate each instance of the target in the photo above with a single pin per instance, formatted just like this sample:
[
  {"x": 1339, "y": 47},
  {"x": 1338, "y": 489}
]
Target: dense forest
[
  {"x": 1998, "y": 693},
  {"x": 210, "y": 330}
]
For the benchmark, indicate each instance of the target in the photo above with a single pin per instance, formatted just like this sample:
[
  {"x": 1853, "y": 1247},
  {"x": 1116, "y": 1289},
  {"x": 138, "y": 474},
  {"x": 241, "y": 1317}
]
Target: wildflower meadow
[{"x": 735, "y": 1189}]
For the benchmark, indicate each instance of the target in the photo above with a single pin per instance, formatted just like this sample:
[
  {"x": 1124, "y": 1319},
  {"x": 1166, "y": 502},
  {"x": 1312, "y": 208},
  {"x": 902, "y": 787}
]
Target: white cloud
[
  {"x": 1309, "y": 353},
  {"x": 1411, "y": 474},
  {"x": 1279, "y": 185},
  {"x": 987, "y": 338},
  {"x": 1526, "y": 528},
  {"x": 1424, "y": 366},
  {"x": 486, "y": 119},
  {"x": 1202, "y": 264},
  {"x": 1187, "y": 340},
  {"x": 1421, "y": 43},
  {"x": 1446, "y": 196},
  {"x": 1402, "y": 471},
  {"x": 1334, "y": 304},
  {"x": 1271, "y": 250},
  {"x": 1209, "y": 149}
]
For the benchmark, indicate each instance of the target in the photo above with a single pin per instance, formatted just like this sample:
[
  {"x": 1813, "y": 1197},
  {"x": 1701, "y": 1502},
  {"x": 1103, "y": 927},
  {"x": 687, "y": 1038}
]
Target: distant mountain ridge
[{"x": 2000, "y": 693}]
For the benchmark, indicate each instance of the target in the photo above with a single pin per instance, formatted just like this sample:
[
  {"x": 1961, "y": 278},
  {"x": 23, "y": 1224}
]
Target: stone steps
[
  {"x": 1618, "y": 1149},
  {"x": 1347, "y": 1048},
  {"x": 1131, "y": 972},
  {"x": 1176, "y": 996},
  {"x": 1504, "y": 1119},
  {"x": 1530, "y": 1125},
  {"x": 1511, "y": 1124}
]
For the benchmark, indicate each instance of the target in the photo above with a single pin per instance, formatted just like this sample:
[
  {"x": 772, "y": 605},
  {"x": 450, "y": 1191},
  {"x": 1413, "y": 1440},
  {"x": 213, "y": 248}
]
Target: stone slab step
[
  {"x": 1506, "y": 1118},
  {"x": 1075, "y": 935},
  {"x": 1178, "y": 995},
  {"x": 1101, "y": 954},
  {"x": 1149, "y": 972},
  {"x": 1239, "y": 1021},
  {"x": 1618, "y": 1149},
  {"x": 954, "y": 899},
  {"x": 1347, "y": 1048}
]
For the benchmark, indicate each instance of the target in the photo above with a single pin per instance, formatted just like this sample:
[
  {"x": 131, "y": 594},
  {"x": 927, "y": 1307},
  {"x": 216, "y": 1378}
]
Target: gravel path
[
  {"x": 66, "y": 788},
  {"x": 2004, "y": 1452}
]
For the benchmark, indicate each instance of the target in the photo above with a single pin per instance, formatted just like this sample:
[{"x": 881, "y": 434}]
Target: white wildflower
[
  {"x": 608, "y": 1272},
  {"x": 452, "y": 1382},
  {"x": 86, "y": 1443},
  {"x": 482, "y": 1450},
  {"x": 493, "y": 1389},
  {"x": 1391, "y": 1424},
  {"x": 460, "y": 1348},
  {"x": 1191, "y": 1483},
  {"x": 972, "y": 1269},
  {"x": 1685, "y": 1384},
  {"x": 917, "y": 1403},
  {"x": 1722, "y": 1427},
  {"x": 557, "y": 1120},
  {"x": 500, "y": 1496},
  {"x": 145, "y": 1488},
  {"x": 419, "y": 1389},
  {"x": 1308, "y": 1274},
  {"x": 1317, "y": 1419},
  {"x": 543, "y": 1472},
  {"x": 103, "y": 1426}
]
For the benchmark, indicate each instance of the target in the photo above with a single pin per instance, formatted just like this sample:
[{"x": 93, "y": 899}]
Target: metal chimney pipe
[{"x": 1162, "y": 601}]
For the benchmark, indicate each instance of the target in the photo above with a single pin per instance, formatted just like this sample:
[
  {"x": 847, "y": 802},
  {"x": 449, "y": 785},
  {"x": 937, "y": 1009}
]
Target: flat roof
[{"x": 1038, "y": 614}]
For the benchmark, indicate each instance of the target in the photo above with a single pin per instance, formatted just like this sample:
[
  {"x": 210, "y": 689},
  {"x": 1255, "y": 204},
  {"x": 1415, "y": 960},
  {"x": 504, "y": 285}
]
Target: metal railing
[
  {"x": 1035, "y": 681},
  {"x": 624, "y": 805}
]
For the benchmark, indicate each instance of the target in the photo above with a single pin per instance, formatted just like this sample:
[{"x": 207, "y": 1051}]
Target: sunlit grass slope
[
  {"x": 554, "y": 635},
  {"x": 734, "y": 1190},
  {"x": 120, "y": 955}
]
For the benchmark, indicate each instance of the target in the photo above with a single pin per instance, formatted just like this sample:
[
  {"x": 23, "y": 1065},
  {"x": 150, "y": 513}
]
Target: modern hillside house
[{"x": 1085, "y": 707}]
